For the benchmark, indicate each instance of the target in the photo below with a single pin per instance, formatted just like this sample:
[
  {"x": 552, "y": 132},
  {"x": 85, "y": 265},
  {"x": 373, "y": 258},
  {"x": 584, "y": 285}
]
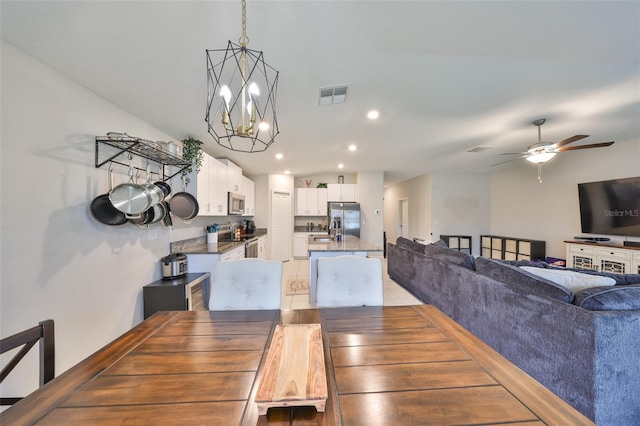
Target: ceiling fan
[{"x": 542, "y": 152}]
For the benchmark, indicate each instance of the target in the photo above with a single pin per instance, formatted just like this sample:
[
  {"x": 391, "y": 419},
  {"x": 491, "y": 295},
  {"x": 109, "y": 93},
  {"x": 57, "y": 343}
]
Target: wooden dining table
[{"x": 395, "y": 365}]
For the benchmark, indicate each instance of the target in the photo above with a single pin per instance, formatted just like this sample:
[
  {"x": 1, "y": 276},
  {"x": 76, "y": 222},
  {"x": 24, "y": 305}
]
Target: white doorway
[
  {"x": 403, "y": 217},
  {"x": 280, "y": 239}
]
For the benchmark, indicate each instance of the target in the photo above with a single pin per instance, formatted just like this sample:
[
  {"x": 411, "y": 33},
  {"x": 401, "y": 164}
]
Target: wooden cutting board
[{"x": 294, "y": 373}]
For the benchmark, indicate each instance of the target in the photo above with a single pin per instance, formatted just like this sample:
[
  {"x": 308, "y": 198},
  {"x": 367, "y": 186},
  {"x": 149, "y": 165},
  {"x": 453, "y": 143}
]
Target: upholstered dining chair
[
  {"x": 43, "y": 333},
  {"x": 349, "y": 281},
  {"x": 246, "y": 284}
]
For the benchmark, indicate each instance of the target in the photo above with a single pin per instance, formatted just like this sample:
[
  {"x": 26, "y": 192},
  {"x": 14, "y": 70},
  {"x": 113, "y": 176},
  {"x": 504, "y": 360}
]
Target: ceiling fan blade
[
  {"x": 593, "y": 145},
  {"x": 570, "y": 140},
  {"x": 513, "y": 159}
]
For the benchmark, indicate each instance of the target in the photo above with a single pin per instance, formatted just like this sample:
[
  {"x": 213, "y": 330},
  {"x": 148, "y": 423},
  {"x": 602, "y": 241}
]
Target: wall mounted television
[{"x": 610, "y": 207}]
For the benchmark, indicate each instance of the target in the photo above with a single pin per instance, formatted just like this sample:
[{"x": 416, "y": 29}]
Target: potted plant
[{"x": 192, "y": 153}]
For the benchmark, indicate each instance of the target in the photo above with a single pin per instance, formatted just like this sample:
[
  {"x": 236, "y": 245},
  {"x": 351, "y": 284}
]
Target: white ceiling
[{"x": 446, "y": 76}]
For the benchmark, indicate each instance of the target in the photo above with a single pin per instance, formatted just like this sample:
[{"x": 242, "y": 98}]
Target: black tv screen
[{"x": 610, "y": 207}]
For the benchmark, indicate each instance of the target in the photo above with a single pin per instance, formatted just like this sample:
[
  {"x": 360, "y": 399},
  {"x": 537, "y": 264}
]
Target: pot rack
[{"x": 150, "y": 150}]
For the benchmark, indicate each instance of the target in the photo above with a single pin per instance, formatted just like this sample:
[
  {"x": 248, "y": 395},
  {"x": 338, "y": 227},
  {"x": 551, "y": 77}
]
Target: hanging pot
[
  {"x": 184, "y": 205},
  {"x": 131, "y": 198},
  {"x": 103, "y": 211},
  {"x": 159, "y": 212},
  {"x": 142, "y": 219},
  {"x": 167, "y": 217}
]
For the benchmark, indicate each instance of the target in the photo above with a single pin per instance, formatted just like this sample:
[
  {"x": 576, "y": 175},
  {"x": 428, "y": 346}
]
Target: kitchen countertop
[
  {"x": 222, "y": 246},
  {"x": 348, "y": 243}
]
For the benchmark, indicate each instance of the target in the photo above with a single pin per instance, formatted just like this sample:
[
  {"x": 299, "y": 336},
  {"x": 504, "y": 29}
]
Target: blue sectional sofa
[{"x": 584, "y": 347}]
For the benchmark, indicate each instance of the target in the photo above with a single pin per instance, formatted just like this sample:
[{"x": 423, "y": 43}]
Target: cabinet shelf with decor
[
  {"x": 458, "y": 242},
  {"x": 509, "y": 248}
]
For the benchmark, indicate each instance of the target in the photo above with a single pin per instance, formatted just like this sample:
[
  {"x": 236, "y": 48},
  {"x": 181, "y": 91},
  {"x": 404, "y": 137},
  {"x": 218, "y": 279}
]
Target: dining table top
[{"x": 392, "y": 365}]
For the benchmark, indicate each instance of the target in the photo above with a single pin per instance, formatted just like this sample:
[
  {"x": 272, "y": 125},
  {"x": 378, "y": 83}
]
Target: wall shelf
[{"x": 148, "y": 150}]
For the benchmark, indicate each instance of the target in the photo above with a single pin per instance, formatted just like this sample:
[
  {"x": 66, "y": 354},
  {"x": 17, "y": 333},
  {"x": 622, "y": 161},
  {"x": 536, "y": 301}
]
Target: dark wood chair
[{"x": 43, "y": 333}]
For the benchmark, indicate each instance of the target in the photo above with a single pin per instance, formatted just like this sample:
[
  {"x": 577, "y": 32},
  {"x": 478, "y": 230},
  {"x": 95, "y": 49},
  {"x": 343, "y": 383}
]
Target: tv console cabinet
[{"x": 603, "y": 257}]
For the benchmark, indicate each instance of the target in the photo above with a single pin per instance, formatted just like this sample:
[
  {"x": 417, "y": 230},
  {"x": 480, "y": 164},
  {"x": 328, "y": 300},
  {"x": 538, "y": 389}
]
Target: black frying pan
[
  {"x": 184, "y": 205},
  {"x": 103, "y": 211}
]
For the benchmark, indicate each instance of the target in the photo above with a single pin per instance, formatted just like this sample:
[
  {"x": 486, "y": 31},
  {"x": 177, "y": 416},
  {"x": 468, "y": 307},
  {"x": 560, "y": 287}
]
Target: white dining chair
[
  {"x": 349, "y": 281},
  {"x": 246, "y": 284}
]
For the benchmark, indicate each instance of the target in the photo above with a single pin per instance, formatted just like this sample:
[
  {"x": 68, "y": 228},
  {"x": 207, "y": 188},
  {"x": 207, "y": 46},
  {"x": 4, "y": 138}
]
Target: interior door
[
  {"x": 281, "y": 219},
  {"x": 403, "y": 215}
]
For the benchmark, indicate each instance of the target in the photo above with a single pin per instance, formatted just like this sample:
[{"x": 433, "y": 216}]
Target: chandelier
[{"x": 241, "y": 96}]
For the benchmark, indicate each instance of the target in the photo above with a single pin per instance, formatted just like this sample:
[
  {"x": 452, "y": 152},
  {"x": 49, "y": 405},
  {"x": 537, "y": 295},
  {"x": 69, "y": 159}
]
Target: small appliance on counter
[
  {"x": 174, "y": 266},
  {"x": 249, "y": 226}
]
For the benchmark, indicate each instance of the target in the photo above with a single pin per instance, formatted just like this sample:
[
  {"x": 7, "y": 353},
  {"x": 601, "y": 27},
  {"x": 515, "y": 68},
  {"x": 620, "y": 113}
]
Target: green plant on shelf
[{"x": 192, "y": 153}]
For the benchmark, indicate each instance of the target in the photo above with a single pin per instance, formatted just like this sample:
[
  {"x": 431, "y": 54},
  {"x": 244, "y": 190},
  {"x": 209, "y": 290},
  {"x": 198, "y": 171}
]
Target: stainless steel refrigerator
[{"x": 344, "y": 218}]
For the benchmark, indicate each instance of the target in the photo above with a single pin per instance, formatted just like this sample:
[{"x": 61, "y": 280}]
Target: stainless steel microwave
[{"x": 236, "y": 203}]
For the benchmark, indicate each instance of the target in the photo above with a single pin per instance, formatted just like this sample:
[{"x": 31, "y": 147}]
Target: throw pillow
[
  {"x": 574, "y": 281},
  {"x": 616, "y": 298}
]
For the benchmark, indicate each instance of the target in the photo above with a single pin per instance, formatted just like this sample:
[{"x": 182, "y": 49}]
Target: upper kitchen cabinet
[
  {"x": 343, "y": 192},
  {"x": 311, "y": 201},
  {"x": 234, "y": 176},
  {"x": 248, "y": 190},
  {"x": 211, "y": 187}
]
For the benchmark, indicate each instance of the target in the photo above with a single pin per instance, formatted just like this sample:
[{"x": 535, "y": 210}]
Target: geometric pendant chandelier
[{"x": 241, "y": 96}]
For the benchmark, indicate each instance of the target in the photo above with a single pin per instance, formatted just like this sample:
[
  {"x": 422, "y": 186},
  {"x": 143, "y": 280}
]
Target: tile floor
[{"x": 297, "y": 269}]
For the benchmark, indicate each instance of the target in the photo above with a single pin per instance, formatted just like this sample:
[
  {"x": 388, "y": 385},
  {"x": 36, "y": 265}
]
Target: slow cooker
[{"x": 174, "y": 266}]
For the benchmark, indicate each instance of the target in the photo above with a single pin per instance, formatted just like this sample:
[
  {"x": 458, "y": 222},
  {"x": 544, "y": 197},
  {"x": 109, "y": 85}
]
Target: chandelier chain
[{"x": 244, "y": 40}]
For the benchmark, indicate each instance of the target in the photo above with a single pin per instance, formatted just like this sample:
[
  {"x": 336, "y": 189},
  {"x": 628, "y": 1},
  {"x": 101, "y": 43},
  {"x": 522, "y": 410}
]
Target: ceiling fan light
[{"x": 542, "y": 157}]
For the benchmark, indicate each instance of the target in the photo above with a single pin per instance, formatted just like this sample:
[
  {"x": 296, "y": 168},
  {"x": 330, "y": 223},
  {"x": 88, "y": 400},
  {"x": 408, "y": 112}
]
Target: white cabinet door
[
  {"x": 300, "y": 245},
  {"x": 302, "y": 202},
  {"x": 234, "y": 176},
  {"x": 248, "y": 190},
  {"x": 236, "y": 253},
  {"x": 218, "y": 187},
  {"x": 323, "y": 198},
  {"x": 342, "y": 192},
  {"x": 262, "y": 247},
  {"x": 203, "y": 188}
]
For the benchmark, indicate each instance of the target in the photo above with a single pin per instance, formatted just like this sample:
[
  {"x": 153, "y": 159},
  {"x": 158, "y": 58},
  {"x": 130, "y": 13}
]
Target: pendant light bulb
[{"x": 225, "y": 92}]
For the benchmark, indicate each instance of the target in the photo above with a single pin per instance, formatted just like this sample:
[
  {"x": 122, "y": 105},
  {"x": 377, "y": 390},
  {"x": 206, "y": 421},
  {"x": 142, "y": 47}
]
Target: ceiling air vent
[
  {"x": 480, "y": 148},
  {"x": 332, "y": 95}
]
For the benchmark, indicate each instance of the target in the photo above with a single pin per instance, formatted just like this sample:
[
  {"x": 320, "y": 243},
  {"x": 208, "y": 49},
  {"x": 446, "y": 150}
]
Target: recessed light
[
  {"x": 352, "y": 147},
  {"x": 287, "y": 172},
  {"x": 279, "y": 156},
  {"x": 373, "y": 114},
  {"x": 341, "y": 166}
]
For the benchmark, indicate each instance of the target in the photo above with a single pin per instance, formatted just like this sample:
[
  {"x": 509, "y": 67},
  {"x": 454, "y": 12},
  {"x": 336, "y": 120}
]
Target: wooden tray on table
[{"x": 294, "y": 373}]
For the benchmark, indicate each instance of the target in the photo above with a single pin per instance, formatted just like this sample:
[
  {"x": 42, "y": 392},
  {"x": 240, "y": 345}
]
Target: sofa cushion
[
  {"x": 620, "y": 279},
  {"x": 409, "y": 244},
  {"x": 614, "y": 298},
  {"x": 448, "y": 255},
  {"x": 521, "y": 280},
  {"x": 574, "y": 281}
]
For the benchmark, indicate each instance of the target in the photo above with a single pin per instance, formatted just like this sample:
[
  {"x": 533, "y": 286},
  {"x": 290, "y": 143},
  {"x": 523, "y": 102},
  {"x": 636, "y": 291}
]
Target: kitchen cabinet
[
  {"x": 189, "y": 293},
  {"x": 211, "y": 187},
  {"x": 234, "y": 176},
  {"x": 235, "y": 254},
  {"x": 262, "y": 247},
  {"x": 613, "y": 259},
  {"x": 342, "y": 192},
  {"x": 508, "y": 248},
  {"x": 301, "y": 244},
  {"x": 311, "y": 201},
  {"x": 248, "y": 190}
]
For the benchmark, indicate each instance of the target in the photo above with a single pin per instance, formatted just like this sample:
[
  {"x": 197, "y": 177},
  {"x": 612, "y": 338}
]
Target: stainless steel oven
[
  {"x": 236, "y": 203},
  {"x": 251, "y": 248}
]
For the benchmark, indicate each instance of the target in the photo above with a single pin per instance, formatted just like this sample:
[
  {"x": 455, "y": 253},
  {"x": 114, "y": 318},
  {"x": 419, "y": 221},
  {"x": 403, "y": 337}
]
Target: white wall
[
  {"x": 56, "y": 260},
  {"x": 522, "y": 207},
  {"x": 371, "y": 199},
  {"x": 460, "y": 205},
  {"x": 418, "y": 192}
]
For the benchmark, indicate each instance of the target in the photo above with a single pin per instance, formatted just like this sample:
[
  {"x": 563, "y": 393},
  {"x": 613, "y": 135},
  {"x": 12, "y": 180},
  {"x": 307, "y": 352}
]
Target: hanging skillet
[
  {"x": 184, "y": 205},
  {"x": 103, "y": 211}
]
